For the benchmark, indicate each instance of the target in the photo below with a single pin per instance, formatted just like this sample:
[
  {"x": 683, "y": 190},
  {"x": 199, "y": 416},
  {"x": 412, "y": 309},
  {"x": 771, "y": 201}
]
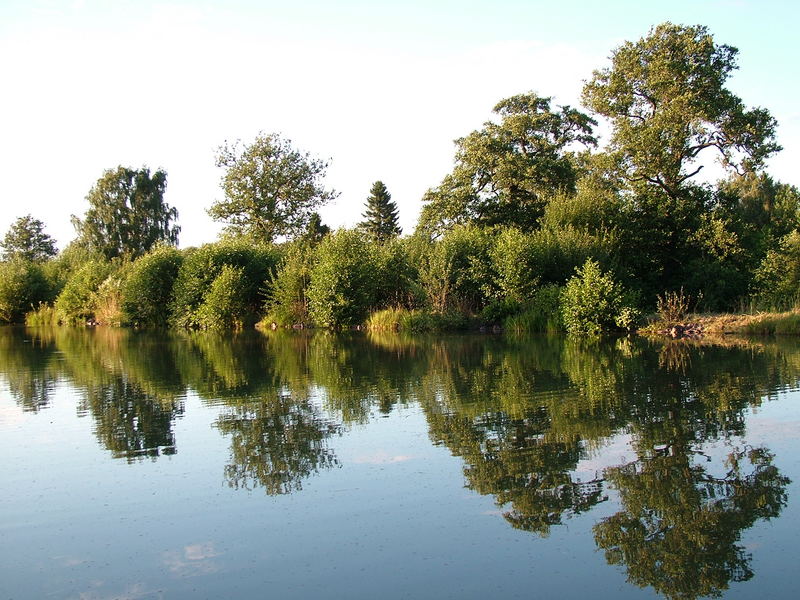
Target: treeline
[{"x": 534, "y": 228}]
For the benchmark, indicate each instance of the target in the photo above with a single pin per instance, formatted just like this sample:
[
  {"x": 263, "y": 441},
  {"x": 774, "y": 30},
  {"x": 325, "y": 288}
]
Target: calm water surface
[{"x": 156, "y": 465}]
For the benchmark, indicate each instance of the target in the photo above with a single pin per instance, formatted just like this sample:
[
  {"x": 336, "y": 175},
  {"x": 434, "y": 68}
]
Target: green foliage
[
  {"x": 505, "y": 170},
  {"x": 127, "y": 214},
  {"x": 44, "y": 315},
  {"x": 416, "y": 321},
  {"x": 223, "y": 305},
  {"x": 380, "y": 217},
  {"x": 146, "y": 294},
  {"x": 23, "y": 286},
  {"x": 77, "y": 301},
  {"x": 541, "y": 314},
  {"x": 787, "y": 323},
  {"x": 287, "y": 303},
  {"x": 271, "y": 189},
  {"x": 396, "y": 277},
  {"x": 777, "y": 279},
  {"x": 666, "y": 98},
  {"x": 593, "y": 303},
  {"x": 343, "y": 283},
  {"x": 26, "y": 240},
  {"x": 456, "y": 271},
  {"x": 498, "y": 311},
  {"x": 201, "y": 266}
]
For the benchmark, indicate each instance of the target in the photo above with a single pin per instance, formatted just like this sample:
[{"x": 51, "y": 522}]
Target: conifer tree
[{"x": 381, "y": 220}]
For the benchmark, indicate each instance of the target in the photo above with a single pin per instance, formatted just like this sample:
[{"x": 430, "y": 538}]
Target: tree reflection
[
  {"x": 130, "y": 423},
  {"x": 276, "y": 444},
  {"x": 680, "y": 526}
]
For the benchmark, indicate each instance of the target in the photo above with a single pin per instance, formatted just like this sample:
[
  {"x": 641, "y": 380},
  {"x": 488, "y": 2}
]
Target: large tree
[
  {"x": 380, "y": 217},
  {"x": 27, "y": 240},
  {"x": 127, "y": 214},
  {"x": 504, "y": 171},
  {"x": 271, "y": 189},
  {"x": 666, "y": 98}
]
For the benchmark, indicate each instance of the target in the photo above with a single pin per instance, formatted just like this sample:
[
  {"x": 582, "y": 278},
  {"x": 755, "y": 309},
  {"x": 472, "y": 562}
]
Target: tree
[
  {"x": 667, "y": 103},
  {"x": 505, "y": 170},
  {"x": 27, "y": 240},
  {"x": 127, "y": 214},
  {"x": 381, "y": 214},
  {"x": 271, "y": 189}
]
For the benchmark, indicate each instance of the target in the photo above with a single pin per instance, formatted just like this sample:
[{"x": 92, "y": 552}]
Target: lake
[{"x": 307, "y": 465}]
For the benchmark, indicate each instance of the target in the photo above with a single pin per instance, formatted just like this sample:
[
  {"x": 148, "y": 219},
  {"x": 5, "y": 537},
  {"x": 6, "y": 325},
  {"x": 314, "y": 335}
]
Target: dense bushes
[
  {"x": 147, "y": 290},
  {"x": 343, "y": 280},
  {"x": 76, "y": 302},
  {"x": 201, "y": 267},
  {"x": 23, "y": 286}
]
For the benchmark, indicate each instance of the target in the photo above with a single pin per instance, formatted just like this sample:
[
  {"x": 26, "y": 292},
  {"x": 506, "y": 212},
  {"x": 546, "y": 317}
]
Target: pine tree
[{"x": 381, "y": 220}]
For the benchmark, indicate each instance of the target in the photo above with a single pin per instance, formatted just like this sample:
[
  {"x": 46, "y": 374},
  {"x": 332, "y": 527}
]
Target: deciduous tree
[
  {"x": 127, "y": 214},
  {"x": 27, "y": 240},
  {"x": 271, "y": 189}
]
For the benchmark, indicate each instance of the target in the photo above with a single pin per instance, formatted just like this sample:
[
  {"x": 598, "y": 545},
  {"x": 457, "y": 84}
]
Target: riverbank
[{"x": 697, "y": 325}]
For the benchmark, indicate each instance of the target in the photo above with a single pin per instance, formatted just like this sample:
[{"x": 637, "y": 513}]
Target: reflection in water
[
  {"x": 276, "y": 443},
  {"x": 679, "y": 527},
  {"x": 520, "y": 413}
]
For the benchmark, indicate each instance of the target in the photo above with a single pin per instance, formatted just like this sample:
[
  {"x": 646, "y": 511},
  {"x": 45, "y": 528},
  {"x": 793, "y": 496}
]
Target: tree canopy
[
  {"x": 504, "y": 171},
  {"x": 380, "y": 217},
  {"x": 271, "y": 189},
  {"x": 666, "y": 98},
  {"x": 27, "y": 240},
  {"x": 127, "y": 214}
]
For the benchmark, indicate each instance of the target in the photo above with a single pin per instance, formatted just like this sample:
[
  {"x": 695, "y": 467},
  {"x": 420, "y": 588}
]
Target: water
[{"x": 163, "y": 465}]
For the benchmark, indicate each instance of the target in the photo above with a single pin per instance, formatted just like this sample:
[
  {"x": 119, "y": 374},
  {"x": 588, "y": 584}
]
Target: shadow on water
[{"x": 520, "y": 413}]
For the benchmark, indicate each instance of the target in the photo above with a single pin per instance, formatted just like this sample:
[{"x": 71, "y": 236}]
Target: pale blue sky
[{"x": 380, "y": 88}]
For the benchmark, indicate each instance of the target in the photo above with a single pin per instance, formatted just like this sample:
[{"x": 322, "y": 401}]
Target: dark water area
[{"x": 307, "y": 465}]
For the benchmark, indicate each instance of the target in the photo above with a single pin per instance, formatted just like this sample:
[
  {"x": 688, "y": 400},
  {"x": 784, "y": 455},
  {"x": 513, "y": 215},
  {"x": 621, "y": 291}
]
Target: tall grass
[
  {"x": 44, "y": 315},
  {"x": 787, "y": 323},
  {"x": 403, "y": 319}
]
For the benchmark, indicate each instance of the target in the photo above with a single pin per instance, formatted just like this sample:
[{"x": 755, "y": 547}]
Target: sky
[{"x": 379, "y": 89}]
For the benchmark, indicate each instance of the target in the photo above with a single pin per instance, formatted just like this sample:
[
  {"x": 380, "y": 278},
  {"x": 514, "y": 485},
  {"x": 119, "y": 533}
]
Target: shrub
[
  {"x": 777, "y": 279},
  {"x": 146, "y": 294},
  {"x": 343, "y": 282},
  {"x": 456, "y": 272},
  {"x": 514, "y": 263},
  {"x": 541, "y": 314},
  {"x": 224, "y": 305},
  {"x": 201, "y": 266},
  {"x": 288, "y": 302},
  {"x": 592, "y": 303},
  {"x": 672, "y": 307},
  {"x": 76, "y": 302},
  {"x": 22, "y": 287},
  {"x": 498, "y": 311}
]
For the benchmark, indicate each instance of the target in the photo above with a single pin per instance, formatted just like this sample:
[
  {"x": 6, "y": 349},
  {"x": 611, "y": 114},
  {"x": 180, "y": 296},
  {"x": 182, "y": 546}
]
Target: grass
[
  {"x": 404, "y": 319},
  {"x": 44, "y": 315}
]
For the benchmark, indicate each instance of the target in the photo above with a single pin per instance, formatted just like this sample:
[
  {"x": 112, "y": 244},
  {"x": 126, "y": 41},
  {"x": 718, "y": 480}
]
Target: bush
[
  {"x": 514, "y": 263},
  {"x": 23, "y": 286},
  {"x": 541, "y": 314},
  {"x": 146, "y": 294},
  {"x": 201, "y": 266},
  {"x": 498, "y": 311},
  {"x": 777, "y": 280},
  {"x": 76, "y": 302},
  {"x": 593, "y": 303},
  {"x": 224, "y": 306},
  {"x": 343, "y": 282},
  {"x": 288, "y": 302},
  {"x": 456, "y": 272}
]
